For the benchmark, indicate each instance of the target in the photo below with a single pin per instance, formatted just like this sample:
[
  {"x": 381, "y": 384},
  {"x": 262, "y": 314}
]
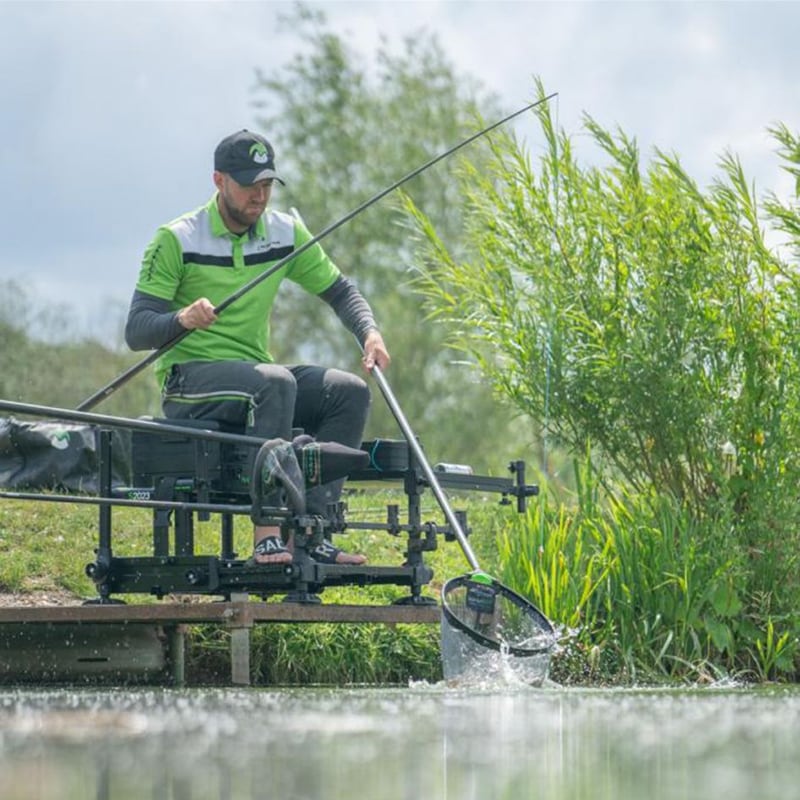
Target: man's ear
[{"x": 217, "y": 177}]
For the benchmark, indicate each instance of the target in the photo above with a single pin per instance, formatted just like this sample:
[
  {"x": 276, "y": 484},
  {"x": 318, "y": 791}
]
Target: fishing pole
[
  {"x": 135, "y": 369},
  {"x": 422, "y": 460}
]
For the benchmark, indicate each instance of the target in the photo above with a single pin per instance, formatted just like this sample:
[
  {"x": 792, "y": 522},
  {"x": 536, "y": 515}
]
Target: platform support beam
[{"x": 240, "y": 643}]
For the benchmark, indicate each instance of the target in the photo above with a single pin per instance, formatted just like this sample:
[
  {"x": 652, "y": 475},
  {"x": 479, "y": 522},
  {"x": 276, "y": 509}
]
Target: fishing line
[{"x": 548, "y": 343}]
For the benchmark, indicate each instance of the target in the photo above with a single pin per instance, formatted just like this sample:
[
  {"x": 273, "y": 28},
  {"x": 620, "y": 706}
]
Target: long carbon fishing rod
[{"x": 125, "y": 376}]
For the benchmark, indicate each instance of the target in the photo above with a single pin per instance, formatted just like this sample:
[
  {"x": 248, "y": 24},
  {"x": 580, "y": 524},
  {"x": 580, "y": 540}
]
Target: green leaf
[
  {"x": 726, "y": 601},
  {"x": 721, "y": 635}
]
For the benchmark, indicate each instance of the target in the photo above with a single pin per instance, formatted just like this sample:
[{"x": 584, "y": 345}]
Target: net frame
[{"x": 525, "y": 606}]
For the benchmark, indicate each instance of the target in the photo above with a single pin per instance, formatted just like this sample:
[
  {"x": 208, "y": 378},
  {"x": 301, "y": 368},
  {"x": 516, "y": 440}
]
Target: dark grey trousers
[{"x": 268, "y": 400}]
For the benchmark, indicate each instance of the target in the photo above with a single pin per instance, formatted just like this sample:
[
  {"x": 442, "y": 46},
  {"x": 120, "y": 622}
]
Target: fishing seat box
[{"x": 221, "y": 468}]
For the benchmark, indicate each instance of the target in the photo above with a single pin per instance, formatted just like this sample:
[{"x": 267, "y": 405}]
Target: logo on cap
[{"x": 259, "y": 153}]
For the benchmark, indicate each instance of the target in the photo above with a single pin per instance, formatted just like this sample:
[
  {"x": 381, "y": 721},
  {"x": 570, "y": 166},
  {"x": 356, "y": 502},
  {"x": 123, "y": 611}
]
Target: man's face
[{"x": 239, "y": 205}]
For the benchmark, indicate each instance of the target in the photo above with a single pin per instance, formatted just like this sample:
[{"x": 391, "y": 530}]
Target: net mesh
[{"x": 490, "y": 632}]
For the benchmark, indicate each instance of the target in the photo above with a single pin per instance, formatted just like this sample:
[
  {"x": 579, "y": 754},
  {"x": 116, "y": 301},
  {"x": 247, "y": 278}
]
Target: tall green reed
[{"x": 642, "y": 586}]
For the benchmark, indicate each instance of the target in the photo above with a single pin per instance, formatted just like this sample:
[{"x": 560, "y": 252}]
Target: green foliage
[
  {"x": 336, "y": 654},
  {"x": 344, "y": 130},
  {"x": 646, "y": 322},
  {"x": 625, "y": 310},
  {"x": 640, "y": 586}
]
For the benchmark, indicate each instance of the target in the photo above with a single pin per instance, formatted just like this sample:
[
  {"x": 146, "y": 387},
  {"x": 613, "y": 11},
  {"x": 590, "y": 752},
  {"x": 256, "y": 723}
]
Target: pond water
[{"x": 422, "y": 741}]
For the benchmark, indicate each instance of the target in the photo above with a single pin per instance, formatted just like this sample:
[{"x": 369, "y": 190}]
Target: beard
[{"x": 241, "y": 216}]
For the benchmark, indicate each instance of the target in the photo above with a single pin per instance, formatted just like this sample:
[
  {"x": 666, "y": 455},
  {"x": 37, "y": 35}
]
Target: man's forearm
[
  {"x": 151, "y": 322},
  {"x": 351, "y": 308}
]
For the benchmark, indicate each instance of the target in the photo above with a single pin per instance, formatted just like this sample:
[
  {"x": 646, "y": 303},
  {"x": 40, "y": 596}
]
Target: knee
[
  {"x": 275, "y": 380},
  {"x": 354, "y": 390}
]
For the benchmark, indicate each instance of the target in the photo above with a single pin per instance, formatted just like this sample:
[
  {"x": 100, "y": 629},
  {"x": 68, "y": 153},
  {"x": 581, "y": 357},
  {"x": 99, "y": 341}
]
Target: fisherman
[{"x": 224, "y": 371}]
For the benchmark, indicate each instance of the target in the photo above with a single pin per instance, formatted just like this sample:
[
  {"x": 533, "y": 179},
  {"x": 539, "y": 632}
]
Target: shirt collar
[{"x": 259, "y": 230}]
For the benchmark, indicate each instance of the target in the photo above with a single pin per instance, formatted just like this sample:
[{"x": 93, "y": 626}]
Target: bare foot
[
  {"x": 271, "y": 550},
  {"x": 351, "y": 559},
  {"x": 326, "y": 553}
]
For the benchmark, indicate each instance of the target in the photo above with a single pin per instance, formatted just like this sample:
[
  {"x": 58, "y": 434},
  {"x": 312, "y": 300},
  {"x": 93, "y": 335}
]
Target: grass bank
[
  {"x": 45, "y": 546},
  {"x": 647, "y": 592}
]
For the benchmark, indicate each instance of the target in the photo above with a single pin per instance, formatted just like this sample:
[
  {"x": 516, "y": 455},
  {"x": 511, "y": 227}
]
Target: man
[{"x": 223, "y": 371}]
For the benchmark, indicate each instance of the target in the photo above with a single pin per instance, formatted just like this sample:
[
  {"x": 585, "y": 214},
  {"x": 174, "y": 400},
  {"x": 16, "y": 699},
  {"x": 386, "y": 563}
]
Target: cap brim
[{"x": 247, "y": 177}]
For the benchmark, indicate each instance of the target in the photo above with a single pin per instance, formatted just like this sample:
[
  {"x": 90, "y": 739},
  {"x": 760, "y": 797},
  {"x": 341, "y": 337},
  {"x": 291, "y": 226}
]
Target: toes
[
  {"x": 280, "y": 559},
  {"x": 352, "y": 559}
]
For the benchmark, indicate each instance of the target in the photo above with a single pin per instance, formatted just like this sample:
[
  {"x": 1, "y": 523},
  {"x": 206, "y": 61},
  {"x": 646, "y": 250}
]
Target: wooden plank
[
  {"x": 234, "y": 614},
  {"x": 177, "y": 653},
  {"x": 35, "y": 624},
  {"x": 240, "y": 656},
  {"x": 240, "y": 642}
]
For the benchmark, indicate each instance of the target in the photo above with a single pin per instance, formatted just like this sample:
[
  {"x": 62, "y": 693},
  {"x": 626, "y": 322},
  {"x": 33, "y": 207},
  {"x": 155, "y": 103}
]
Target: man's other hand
[
  {"x": 199, "y": 314},
  {"x": 375, "y": 351}
]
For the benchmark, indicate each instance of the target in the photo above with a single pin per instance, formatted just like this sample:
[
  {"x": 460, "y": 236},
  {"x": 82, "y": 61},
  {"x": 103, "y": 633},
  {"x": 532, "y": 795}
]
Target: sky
[{"x": 111, "y": 110}]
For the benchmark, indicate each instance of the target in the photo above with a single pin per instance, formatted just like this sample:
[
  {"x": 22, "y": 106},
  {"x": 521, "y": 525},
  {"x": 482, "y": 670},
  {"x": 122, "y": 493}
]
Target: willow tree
[{"x": 638, "y": 317}]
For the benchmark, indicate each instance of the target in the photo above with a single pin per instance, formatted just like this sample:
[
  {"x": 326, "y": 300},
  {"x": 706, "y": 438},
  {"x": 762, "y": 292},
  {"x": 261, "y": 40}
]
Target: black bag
[{"x": 57, "y": 456}]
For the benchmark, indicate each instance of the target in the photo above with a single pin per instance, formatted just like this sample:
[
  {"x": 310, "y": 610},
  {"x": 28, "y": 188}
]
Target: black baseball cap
[{"x": 246, "y": 157}]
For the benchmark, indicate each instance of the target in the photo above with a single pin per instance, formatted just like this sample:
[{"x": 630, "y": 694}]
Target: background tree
[
  {"x": 42, "y": 364},
  {"x": 344, "y": 130}
]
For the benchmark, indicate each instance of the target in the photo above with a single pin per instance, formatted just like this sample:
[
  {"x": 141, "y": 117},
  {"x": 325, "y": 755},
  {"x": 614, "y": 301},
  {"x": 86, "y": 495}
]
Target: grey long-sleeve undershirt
[{"x": 151, "y": 323}]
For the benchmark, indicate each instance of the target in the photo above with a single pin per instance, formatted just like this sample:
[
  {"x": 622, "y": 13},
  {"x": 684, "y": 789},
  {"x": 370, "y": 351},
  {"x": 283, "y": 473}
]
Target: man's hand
[
  {"x": 199, "y": 314},
  {"x": 375, "y": 351}
]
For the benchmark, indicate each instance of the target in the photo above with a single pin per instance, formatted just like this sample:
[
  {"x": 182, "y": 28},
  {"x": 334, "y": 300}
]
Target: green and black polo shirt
[{"x": 197, "y": 256}]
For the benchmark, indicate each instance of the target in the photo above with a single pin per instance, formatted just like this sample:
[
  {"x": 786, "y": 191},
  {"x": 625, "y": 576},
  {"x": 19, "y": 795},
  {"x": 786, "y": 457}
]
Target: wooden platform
[{"x": 68, "y": 640}]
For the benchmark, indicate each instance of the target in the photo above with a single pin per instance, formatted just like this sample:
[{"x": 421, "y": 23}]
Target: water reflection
[{"x": 474, "y": 743}]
